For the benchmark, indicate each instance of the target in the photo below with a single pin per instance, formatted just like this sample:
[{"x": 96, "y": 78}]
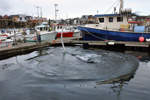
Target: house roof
[{"x": 104, "y": 15}]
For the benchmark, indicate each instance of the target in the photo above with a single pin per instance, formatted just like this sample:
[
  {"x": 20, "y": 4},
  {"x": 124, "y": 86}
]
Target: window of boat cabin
[
  {"x": 54, "y": 28},
  {"x": 119, "y": 19},
  {"x": 41, "y": 29},
  {"x": 58, "y": 27},
  {"x": 101, "y": 20},
  {"x": 110, "y": 19}
]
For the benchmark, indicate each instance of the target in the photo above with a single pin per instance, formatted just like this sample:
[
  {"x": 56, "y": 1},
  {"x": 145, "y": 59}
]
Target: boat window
[
  {"x": 60, "y": 27},
  {"x": 119, "y": 19},
  {"x": 110, "y": 19},
  {"x": 54, "y": 28},
  {"x": 101, "y": 20},
  {"x": 41, "y": 29}
]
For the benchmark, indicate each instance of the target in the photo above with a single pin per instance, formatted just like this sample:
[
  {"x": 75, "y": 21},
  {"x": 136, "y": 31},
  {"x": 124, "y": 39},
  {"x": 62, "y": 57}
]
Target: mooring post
[
  {"x": 85, "y": 46},
  {"x": 149, "y": 49}
]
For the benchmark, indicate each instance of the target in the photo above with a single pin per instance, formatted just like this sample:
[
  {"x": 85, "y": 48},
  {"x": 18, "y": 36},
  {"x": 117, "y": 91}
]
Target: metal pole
[
  {"x": 37, "y": 12},
  {"x": 41, "y": 12},
  {"x": 62, "y": 42}
]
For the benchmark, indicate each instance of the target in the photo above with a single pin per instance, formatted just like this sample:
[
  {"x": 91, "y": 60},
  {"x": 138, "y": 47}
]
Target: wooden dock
[
  {"x": 21, "y": 48},
  {"x": 75, "y": 41},
  {"x": 108, "y": 45}
]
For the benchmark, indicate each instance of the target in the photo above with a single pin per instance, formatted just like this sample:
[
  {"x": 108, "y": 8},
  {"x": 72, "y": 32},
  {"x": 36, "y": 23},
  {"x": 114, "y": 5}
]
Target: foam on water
[
  {"x": 78, "y": 63},
  {"x": 90, "y": 58}
]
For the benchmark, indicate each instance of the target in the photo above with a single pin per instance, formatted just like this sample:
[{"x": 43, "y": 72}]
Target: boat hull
[
  {"x": 100, "y": 34},
  {"x": 45, "y": 36},
  {"x": 65, "y": 34},
  {"x": 48, "y": 36},
  {"x": 76, "y": 34}
]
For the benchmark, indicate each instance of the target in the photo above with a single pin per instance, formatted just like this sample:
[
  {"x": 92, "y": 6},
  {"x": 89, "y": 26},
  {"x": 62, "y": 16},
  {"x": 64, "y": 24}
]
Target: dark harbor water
[{"x": 78, "y": 74}]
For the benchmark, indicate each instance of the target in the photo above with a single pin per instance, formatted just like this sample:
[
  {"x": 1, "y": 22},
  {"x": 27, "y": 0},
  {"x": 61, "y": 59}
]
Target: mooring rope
[
  {"x": 94, "y": 35},
  {"x": 62, "y": 42}
]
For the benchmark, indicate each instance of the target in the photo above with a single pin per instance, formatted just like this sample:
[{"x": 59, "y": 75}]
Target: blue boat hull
[{"x": 99, "y": 34}]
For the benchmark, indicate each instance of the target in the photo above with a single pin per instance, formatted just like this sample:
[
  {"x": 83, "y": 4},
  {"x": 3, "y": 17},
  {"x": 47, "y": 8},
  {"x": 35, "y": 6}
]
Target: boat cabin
[
  {"x": 113, "y": 21},
  {"x": 43, "y": 27},
  {"x": 57, "y": 27}
]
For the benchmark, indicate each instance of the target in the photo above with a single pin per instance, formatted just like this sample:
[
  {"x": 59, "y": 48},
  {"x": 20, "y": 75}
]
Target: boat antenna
[
  {"x": 56, "y": 10},
  {"x": 121, "y": 6},
  {"x": 111, "y": 6}
]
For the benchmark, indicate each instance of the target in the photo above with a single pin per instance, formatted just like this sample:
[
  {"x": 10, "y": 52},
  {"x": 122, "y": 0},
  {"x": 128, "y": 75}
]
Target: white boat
[
  {"x": 11, "y": 34},
  {"x": 76, "y": 32},
  {"x": 45, "y": 36},
  {"x": 68, "y": 31},
  {"x": 43, "y": 30}
]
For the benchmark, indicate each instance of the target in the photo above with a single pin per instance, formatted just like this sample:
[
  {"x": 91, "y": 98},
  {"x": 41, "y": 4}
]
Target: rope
[
  {"x": 62, "y": 42},
  {"x": 94, "y": 35}
]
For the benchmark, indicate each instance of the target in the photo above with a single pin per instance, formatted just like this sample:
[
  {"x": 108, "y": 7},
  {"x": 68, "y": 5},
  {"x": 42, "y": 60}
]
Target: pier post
[
  {"x": 149, "y": 49},
  {"x": 85, "y": 46}
]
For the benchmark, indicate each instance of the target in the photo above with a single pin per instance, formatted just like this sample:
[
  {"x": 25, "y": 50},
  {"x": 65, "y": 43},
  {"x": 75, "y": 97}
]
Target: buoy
[
  {"x": 9, "y": 46},
  {"x": 34, "y": 38},
  {"x": 141, "y": 39},
  {"x": 0, "y": 41},
  {"x": 139, "y": 57}
]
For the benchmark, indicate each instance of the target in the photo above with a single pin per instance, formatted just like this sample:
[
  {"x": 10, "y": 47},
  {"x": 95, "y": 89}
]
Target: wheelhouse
[{"x": 113, "y": 21}]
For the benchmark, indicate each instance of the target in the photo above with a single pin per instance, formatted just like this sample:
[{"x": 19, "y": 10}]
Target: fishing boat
[
  {"x": 9, "y": 34},
  {"x": 119, "y": 26},
  {"x": 76, "y": 32},
  {"x": 62, "y": 29},
  {"x": 43, "y": 30}
]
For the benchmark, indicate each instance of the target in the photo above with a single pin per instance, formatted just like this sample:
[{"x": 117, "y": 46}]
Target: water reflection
[
  {"x": 77, "y": 74},
  {"x": 142, "y": 56},
  {"x": 117, "y": 84}
]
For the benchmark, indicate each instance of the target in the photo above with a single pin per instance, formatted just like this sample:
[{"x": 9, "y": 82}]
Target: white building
[{"x": 22, "y": 18}]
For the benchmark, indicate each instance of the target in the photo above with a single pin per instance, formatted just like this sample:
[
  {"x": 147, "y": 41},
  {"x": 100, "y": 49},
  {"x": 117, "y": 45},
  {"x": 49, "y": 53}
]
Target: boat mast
[
  {"x": 121, "y": 6},
  {"x": 41, "y": 13},
  {"x": 56, "y": 10}
]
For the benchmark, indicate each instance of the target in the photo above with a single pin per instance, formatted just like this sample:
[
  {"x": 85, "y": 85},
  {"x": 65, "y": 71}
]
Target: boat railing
[
  {"x": 130, "y": 29},
  {"x": 92, "y": 25}
]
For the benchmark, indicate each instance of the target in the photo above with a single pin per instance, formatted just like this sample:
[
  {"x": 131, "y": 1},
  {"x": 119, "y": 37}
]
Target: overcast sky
[{"x": 69, "y": 8}]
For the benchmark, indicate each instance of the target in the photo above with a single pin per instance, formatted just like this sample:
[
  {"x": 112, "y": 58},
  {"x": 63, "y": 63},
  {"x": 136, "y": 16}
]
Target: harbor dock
[
  {"x": 21, "y": 48},
  {"x": 107, "y": 45}
]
